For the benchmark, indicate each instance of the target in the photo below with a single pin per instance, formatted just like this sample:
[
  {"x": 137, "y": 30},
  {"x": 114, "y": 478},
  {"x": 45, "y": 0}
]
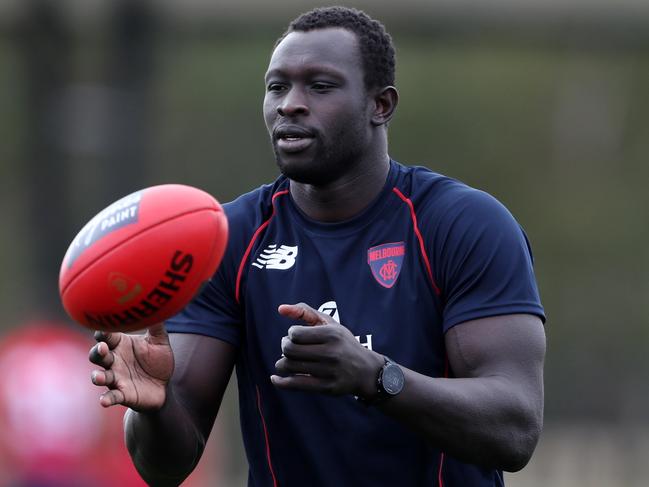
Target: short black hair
[{"x": 377, "y": 49}]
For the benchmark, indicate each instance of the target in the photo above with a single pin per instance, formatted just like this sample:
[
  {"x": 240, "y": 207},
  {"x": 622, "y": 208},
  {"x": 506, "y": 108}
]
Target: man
[{"x": 434, "y": 374}]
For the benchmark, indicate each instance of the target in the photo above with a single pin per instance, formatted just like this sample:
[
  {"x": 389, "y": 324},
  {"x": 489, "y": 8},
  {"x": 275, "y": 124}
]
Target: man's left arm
[{"x": 490, "y": 413}]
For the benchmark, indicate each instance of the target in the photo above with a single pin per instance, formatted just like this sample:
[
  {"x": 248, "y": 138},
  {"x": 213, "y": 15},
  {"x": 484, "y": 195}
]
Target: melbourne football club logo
[
  {"x": 277, "y": 257},
  {"x": 386, "y": 261}
]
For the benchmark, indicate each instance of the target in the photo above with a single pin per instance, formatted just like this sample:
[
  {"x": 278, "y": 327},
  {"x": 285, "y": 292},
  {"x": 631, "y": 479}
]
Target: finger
[
  {"x": 157, "y": 334},
  {"x": 304, "y": 312},
  {"x": 101, "y": 355},
  {"x": 111, "y": 339},
  {"x": 309, "y": 335},
  {"x": 157, "y": 330},
  {"x": 289, "y": 367},
  {"x": 302, "y": 383},
  {"x": 112, "y": 397},
  {"x": 103, "y": 378},
  {"x": 309, "y": 353}
]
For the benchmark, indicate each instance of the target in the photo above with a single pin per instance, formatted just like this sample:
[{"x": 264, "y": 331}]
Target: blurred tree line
[{"x": 553, "y": 121}]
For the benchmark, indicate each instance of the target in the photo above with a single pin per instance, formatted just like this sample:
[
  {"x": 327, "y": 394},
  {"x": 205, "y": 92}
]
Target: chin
[
  {"x": 300, "y": 174},
  {"x": 315, "y": 167},
  {"x": 297, "y": 167},
  {"x": 304, "y": 172}
]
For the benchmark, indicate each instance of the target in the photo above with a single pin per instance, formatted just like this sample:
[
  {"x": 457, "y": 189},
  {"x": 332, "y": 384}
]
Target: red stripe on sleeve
[
  {"x": 424, "y": 254},
  {"x": 261, "y": 228}
]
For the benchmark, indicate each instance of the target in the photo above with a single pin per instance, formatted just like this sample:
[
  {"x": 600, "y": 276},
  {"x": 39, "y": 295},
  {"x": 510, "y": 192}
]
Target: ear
[{"x": 385, "y": 104}]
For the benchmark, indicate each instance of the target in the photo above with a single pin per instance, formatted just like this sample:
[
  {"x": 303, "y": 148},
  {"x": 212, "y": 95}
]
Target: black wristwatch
[{"x": 389, "y": 383}]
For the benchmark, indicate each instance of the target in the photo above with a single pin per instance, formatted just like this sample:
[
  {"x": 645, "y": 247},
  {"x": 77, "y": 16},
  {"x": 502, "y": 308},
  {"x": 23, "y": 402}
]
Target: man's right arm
[
  {"x": 166, "y": 444},
  {"x": 166, "y": 428}
]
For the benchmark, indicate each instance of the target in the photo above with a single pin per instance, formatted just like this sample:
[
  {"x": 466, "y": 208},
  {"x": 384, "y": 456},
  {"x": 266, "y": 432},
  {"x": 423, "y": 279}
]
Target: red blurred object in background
[{"x": 53, "y": 432}]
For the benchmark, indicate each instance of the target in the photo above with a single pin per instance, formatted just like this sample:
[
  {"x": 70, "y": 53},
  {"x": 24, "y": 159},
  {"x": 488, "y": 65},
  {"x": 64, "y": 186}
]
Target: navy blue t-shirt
[{"x": 427, "y": 254}]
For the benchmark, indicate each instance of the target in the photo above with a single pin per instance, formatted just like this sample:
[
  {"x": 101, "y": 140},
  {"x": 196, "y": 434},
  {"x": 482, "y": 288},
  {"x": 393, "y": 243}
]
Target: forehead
[{"x": 330, "y": 48}]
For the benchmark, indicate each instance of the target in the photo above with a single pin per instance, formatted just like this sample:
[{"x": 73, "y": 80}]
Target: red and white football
[{"x": 143, "y": 258}]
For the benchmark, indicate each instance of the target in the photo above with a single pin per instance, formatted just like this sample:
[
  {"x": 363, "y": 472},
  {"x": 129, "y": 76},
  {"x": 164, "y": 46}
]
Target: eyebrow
[{"x": 322, "y": 69}]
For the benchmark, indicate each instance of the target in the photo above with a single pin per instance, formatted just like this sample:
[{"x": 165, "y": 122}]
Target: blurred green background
[{"x": 543, "y": 104}]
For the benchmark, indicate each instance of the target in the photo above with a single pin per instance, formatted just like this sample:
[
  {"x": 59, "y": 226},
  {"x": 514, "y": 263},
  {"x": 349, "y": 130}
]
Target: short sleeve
[
  {"x": 486, "y": 265},
  {"x": 213, "y": 312}
]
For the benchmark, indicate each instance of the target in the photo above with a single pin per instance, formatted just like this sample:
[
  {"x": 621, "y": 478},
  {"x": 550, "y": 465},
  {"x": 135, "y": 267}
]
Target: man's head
[
  {"x": 376, "y": 47},
  {"x": 329, "y": 95}
]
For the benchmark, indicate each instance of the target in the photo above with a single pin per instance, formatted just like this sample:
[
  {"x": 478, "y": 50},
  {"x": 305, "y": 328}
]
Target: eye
[
  {"x": 321, "y": 86},
  {"x": 275, "y": 87}
]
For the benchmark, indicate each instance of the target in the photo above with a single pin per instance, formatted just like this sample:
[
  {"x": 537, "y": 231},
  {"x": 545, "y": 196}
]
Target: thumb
[
  {"x": 305, "y": 313},
  {"x": 157, "y": 334}
]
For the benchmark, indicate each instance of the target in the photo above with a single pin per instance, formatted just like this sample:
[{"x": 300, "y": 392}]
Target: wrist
[
  {"x": 389, "y": 383},
  {"x": 367, "y": 387}
]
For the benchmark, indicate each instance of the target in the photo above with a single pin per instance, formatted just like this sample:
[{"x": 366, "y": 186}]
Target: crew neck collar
[{"x": 351, "y": 225}]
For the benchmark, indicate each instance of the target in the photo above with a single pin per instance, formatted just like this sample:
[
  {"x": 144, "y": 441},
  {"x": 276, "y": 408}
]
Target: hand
[
  {"x": 324, "y": 356},
  {"x": 137, "y": 368}
]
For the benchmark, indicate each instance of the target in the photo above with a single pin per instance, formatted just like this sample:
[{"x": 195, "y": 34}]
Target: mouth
[{"x": 292, "y": 138}]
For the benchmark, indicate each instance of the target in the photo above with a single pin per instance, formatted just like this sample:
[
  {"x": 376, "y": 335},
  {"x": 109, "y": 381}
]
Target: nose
[{"x": 293, "y": 103}]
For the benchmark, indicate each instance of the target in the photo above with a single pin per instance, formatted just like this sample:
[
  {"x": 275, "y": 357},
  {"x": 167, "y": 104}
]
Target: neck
[{"x": 343, "y": 198}]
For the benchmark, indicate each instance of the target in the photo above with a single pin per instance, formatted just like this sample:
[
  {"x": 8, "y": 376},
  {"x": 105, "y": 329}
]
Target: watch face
[{"x": 392, "y": 379}]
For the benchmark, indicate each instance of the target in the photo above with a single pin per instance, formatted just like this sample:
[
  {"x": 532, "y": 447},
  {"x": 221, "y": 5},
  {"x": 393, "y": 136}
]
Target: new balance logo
[{"x": 273, "y": 257}]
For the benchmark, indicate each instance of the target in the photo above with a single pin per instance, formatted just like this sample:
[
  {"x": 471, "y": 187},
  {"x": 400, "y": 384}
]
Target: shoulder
[
  {"x": 246, "y": 214},
  {"x": 249, "y": 211},
  {"x": 439, "y": 200},
  {"x": 249, "y": 207},
  {"x": 456, "y": 219}
]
